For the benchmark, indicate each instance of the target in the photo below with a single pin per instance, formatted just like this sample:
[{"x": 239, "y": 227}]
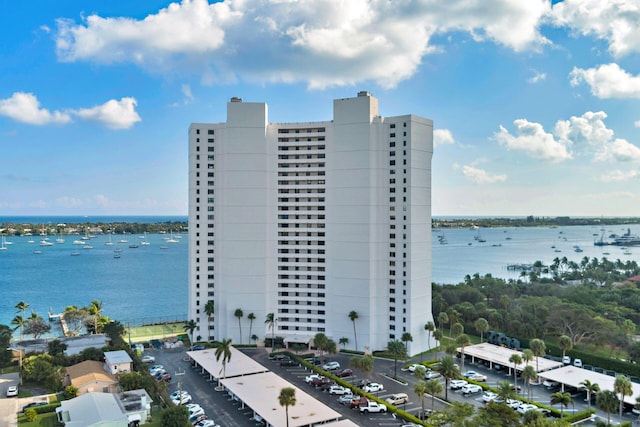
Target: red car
[{"x": 344, "y": 373}]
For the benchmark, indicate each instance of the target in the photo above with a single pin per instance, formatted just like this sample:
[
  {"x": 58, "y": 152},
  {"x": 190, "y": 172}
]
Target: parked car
[
  {"x": 181, "y": 400},
  {"x": 526, "y": 407},
  {"x": 155, "y": 369},
  {"x": 344, "y": 373},
  {"x": 177, "y": 393},
  {"x": 346, "y": 399},
  {"x": 331, "y": 366},
  {"x": 550, "y": 384},
  {"x": 513, "y": 403},
  {"x": 468, "y": 374},
  {"x": 12, "y": 391},
  {"x": 315, "y": 360},
  {"x": 33, "y": 405},
  {"x": 312, "y": 377},
  {"x": 289, "y": 362},
  {"x": 489, "y": 396},
  {"x": 431, "y": 375},
  {"x": 195, "y": 419},
  {"x": 577, "y": 363},
  {"x": 566, "y": 360},
  {"x": 197, "y": 347},
  {"x": 163, "y": 376},
  {"x": 457, "y": 384},
  {"x": 319, "y": 382},
  {"x": 338, "y": 389},
  {"x": 397, "y": 399},
  {"x": 196, "y": 411},
  {"x": 478, "y": 377},
  {"x": 372, "y": 407},
  {"x": 471, "y": 389},
  {"x": 207, "y": 423},
  {"x": 147, "y": 359},
  {"x": 413, "y": 367},
  {"x": 373, "y": 387},
  {"x": 355, "y": 403}
]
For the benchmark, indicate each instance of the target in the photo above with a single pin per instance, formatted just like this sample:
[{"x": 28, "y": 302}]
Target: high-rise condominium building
[{"x": 321, "y": 226}]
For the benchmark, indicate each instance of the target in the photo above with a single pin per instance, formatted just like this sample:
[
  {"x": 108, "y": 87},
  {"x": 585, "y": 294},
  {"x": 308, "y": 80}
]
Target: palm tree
[
  {"x": 21, "y": 307},
  {"x": 457, "y": 329},
  {"x": 223, "y": 350},
  {"x": 622, "y": 385},
  {"x": 343, "y": 341},
  {"x": 563, "y": 399},
  {"x": 287, "y": 398},
  {"x": 565, "y": 345},
  {"x": 209, "y": 309},
  {"x": 238, "y": 313},
  {"x": 95, "y": 310},
  {"x": 353, "y": 316},
  {"x": 443, "y": 318},
  {"x": 19, "y": 322},
  {"x": 437, "y": 335},
  {"x": 607, "y": 401},
  {"x": 270, "y": 321},
  {"x": 516, "y": 360},
  {"x": 320, "y": 341},
  {"x": 251, "y": 318},
  {"x": 406, "y": 338},
  {"x": 432, "y": 387},
  {"x": 448, "y": 369},
  {"x": 539, "y": 349},
  {"x": 505, "y": 391},
  {"x": 429, "y": 327},
  {"x": 462, "y": 340},
  {"x": 189, "y": 327},
  {"x": 398, "y": 351},
  {"x": 420, "y": 389},
  {"x": 482, "y": 326},
  {"x": 590, "y": 388},
  {"x": 529, "y": 374},
  {"x": 527, "y": 356}
]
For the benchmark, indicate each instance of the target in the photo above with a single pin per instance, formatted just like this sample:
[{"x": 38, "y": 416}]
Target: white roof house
[
  {"x": 105, "y": 409},
  {"x": 118, "y": 361}
]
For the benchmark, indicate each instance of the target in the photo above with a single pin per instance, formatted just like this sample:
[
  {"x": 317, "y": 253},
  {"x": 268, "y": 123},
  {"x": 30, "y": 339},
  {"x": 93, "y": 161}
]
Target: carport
[
  {"x": 260, "y": 392},
  {"x": 573, "y": 376},
  {"x": 239, "y": 364},
  {"x": 500, "y": 355}
]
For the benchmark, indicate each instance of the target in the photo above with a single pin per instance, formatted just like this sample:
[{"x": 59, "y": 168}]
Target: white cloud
[
  {"x": 25, "y": 107},
  {"x": 619, "y": 176},
  {"x": 481, "y": 176},
  {"x": 537, "y": 77},
  {"x": 533, "y": 140},
  {"x": 186, "y": 91},
  {"x": 267, "y": 40},
  {"x": 607, "y": 81},
  {"x": 637, "y": 123},
  {"x": 587, "y": 134},
  {"x": 113, "y": 114},
  {"x": 615, "y": 21},
  {"x": 442, "y": 136}
]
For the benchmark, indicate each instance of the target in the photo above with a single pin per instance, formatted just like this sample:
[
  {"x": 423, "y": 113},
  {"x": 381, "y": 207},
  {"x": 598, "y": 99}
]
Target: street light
[{"x": 19, "y": 350}]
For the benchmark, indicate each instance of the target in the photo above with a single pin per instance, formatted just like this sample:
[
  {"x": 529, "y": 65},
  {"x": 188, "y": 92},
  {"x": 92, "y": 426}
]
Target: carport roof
[
  {"x": 239, "y": 364},
  {"x": 573, "y": 376},
  {"x": 261, "y": 391},
  {"x": 501, "y": 355}
]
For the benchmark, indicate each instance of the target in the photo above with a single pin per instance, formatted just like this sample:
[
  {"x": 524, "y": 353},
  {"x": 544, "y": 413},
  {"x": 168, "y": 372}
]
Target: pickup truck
[{"x": 372, "y": 407}]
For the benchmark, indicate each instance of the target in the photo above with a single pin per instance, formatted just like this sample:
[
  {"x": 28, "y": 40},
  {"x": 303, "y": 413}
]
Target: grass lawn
[{"x": 43, "y": 420}]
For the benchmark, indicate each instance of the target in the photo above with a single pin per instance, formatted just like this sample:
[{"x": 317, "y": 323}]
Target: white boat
[
  {"x": 45, "y": 242},
  {"x": 109, "y": 242},
  {"x": 171, "y": 239},
  {"x": 2, "y": 247},
  {"x": 60, "y": 240},
  {"x": 123, "y": 241},
  {"x": 75, "y": 253},
  {"x": 79, "y": 242},
  {"x": 143, "y": 240}
]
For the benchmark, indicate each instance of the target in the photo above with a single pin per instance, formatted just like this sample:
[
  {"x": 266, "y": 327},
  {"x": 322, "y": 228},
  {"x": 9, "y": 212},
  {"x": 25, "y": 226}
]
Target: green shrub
[{"x": 30, "y": 414}]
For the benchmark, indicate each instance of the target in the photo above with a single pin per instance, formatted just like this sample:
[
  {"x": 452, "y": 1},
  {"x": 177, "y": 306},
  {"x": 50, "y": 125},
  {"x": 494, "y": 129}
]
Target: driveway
[{"x": 8, "y": 406}]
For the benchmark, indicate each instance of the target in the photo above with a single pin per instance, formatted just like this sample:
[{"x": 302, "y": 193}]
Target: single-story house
[
  {"x": 93, "y": 409},
  {"x": 89, "y": 376},
  {"x": 118, "y": 361}
]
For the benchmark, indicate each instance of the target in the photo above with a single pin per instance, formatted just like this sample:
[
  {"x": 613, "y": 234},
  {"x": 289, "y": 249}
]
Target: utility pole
[{"x": 179, "y": 374}]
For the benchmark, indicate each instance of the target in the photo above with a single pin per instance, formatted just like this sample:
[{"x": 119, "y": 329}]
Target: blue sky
[{"x": 536, "y": 104}]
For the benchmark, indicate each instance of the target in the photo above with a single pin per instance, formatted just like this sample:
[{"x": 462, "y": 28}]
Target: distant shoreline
[{"x": 530, "y": 221}]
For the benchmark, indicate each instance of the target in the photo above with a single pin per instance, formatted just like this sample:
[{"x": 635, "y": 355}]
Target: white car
[
  {"x": 155, "y": 369},
  {"x": 471, "y": 389},
  {"x": 513, "y": 403},
  {"x": 412, "y": 368},
  {"x": 566, "y": 360},
  {"x": 478, "y": 377},
  {"x": 373, "y": 407},
  {"x": 207, "y": 423},
  {"x": 526, "y": 407},
  {"x": 196, "y": 411},
  {"x": 577, "y": 363},
  {"x": 346, "y": 399},
  {"x": 181, "y": 400},
  {"x": 12, "y": 391},
  {"x": 431, "y": 375},
  {"x": 550, "y": 384},
  {"x": 147, "y": 359},
  {"x": 177, "y": 393},
  {"x": 469, "y": 373},
  {"x": 338, "y": 389},
  {"x": 331, "y": 366},
  {"x": 397, "y": 399},
  {"x": 489, "y": 396},
  {"x": 373, "y": 387},
  {"x": 312, "y": 377},
  {"x": 457, "y": 384}
]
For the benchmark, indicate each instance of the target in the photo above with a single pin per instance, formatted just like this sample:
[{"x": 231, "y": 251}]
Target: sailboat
[
  {"x": 171, "y": 239},
  {"x": 109, "y": 242},
  {"x": 2, "y": 247},
  {"x": 144, "y": 241}
]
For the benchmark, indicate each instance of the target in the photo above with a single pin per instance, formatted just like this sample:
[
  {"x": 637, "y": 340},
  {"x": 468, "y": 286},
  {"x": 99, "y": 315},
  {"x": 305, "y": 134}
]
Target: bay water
[{"x": 150, "y": 283}]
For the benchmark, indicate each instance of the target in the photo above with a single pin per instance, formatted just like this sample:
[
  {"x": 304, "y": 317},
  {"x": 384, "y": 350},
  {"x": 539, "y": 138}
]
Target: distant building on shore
[{"x": 311, "y": 221}]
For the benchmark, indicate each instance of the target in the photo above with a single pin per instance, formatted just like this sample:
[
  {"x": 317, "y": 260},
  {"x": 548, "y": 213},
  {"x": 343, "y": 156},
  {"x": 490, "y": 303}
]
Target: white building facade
[{"x": 311, "y": 221}]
